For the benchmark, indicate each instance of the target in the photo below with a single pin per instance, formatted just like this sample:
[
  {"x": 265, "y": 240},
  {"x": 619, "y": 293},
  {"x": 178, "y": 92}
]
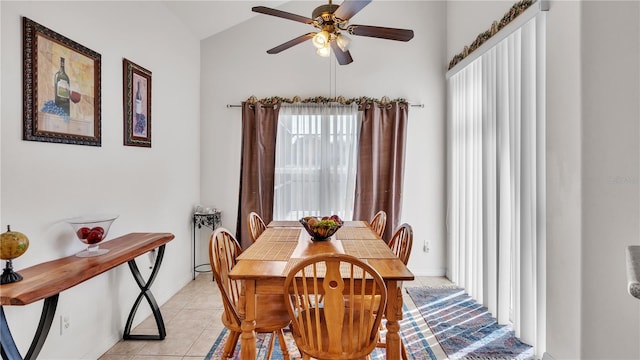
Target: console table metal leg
[
  {"x": 146, "y": 293},
  {"x": 194, "y": 249},
  {"x": 8, "y": 346}
]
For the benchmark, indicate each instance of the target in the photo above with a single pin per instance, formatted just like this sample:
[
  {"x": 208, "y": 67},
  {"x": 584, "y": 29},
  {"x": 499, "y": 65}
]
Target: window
[{"x": 316, "y": 160}]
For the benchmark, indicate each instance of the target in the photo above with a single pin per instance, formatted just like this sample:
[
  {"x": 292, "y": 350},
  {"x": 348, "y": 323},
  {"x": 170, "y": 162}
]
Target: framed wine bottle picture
[
  {"x": 61, "y": 84},
  {"x": 137, "y": 104}
]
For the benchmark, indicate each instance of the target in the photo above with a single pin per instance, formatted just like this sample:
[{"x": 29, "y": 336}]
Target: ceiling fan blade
[
  {"x": 290, "y": 43},
  {"x": 381, "y": 32},
  {"x": 281, "y": 14},
  {"x": 348, "y": 8},
  {"x": 343, "y": 57}
]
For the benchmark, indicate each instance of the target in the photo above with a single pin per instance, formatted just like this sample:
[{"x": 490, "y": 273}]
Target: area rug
[
  {"x": 415, "y": 343},
  {"x": 466, "y": 329}
]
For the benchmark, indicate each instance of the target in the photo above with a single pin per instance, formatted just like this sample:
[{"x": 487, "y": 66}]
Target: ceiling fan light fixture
[
  {"x": 321, "y": 39},
  {"x": 331, "y": 22},
  {"x": 343, "y": 41},
  {"x": 324, "y": 51}
]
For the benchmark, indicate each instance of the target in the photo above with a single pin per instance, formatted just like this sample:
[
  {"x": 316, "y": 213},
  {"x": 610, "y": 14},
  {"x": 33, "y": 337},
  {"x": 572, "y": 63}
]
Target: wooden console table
[{"x": 47, "y": 280}]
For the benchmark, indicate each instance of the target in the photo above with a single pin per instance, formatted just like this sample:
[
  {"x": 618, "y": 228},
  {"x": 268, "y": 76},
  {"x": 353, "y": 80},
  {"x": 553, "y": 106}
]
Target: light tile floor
[{"x": 192, "y": 322}]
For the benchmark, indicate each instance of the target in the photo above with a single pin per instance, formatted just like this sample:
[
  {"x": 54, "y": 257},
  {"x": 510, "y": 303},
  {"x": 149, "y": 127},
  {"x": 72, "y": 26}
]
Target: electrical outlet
[
  {"x": 425, "y": 247},
  {"x": 65, "y": 324}
]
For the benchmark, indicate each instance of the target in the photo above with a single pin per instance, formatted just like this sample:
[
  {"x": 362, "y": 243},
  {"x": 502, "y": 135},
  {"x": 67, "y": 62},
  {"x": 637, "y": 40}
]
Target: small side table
[{"x": 212, "y": 221}]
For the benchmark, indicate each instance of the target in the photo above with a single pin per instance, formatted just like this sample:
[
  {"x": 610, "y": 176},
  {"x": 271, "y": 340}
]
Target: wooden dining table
[{"x": 264, "y": 265}]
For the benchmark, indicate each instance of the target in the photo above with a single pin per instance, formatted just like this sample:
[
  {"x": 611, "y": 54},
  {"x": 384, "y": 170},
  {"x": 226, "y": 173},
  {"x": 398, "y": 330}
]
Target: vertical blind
[{"x": 495, "y": 177}]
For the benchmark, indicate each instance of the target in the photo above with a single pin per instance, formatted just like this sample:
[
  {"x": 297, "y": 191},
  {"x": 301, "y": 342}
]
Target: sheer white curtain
[
  {"x": 496, "y": 178},
  {"x": 316, "y": 160}
]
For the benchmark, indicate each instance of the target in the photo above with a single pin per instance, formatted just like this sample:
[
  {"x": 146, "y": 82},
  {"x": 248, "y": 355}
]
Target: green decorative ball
[{"x": 12, "y": 244}]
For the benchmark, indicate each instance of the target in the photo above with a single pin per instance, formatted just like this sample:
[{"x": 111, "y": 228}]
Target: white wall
[
  {"x": 593, "y": 195},
  {"x": 152, "y": 189},
  {"x": 467, "y": 19},
  {"x": 610, "y": 175},
  {"x": 235, "y": 66},
  {"x": 564, "y": 181}
]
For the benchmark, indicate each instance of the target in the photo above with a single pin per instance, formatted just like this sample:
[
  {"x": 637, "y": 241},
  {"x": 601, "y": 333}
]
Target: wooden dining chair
[
  {"x": 402, "y": 242},
  {"x": 256, "y": 225},
  {"x": 271, "y": 311},
  {"x": 379, "y": 222},
  {"x": 327, "y": 329}
]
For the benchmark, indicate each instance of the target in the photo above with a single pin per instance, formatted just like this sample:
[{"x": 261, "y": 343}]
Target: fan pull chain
[
  {"x": 335, "y": 77},
  {"x": 332, "y": 77}
]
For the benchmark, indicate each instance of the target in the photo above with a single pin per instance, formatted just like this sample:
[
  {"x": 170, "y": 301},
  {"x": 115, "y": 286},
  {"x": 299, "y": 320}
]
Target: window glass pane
[{"x": 316, "y": 161}]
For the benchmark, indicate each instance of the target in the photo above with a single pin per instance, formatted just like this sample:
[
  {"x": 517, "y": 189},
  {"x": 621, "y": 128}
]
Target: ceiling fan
[{"x": 332, "y": 21}]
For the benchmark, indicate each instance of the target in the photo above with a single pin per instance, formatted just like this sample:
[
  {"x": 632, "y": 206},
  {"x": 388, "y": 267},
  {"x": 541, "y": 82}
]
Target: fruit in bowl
[
  {"x": 92, "y": 229},
  {"x": 321, "y": 228},
  {"x": 91, "y": 235}
]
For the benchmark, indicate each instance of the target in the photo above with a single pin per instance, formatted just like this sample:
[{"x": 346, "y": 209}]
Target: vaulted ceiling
[{"x": 207, "y": 18}]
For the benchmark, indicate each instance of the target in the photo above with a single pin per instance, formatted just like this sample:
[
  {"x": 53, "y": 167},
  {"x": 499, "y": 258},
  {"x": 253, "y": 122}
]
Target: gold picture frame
[{"x": 61, "y": 84}]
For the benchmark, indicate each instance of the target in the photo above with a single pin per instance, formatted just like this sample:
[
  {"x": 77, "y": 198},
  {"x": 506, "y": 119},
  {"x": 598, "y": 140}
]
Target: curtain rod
[{"x": 229, "y": 106}]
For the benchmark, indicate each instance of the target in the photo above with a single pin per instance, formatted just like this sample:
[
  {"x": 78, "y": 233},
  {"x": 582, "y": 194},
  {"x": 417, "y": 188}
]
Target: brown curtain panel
[
  {"x": 381, "y": 163},
  {"x": 259, "y": 129}
]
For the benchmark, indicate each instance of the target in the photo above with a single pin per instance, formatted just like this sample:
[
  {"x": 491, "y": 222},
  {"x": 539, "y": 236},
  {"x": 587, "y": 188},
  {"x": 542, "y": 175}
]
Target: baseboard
[
  {"x": 429, "y": 272},
  {"x": 547, "y": 356}
]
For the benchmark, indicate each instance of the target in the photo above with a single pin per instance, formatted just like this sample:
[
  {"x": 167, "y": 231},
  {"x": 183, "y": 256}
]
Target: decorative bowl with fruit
[
  {"x": 321, "y": 228},
  {"x": 92, "y": 229}
]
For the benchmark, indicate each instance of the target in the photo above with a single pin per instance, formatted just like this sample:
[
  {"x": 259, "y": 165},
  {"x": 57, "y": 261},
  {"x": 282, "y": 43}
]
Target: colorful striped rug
[
  {"x": 415, "y": 343},
  {"x": 466, "y": 329}
]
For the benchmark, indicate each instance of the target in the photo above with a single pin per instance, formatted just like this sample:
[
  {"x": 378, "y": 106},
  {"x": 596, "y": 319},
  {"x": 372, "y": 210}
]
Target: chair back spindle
[
  {"x": 223, "y": 251},
  {"x": 326, "y": 328},
  {"x": 379, "y": 223},
  {"x": 402, "y": 242},
  {"x": 256, "y": 226}
]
